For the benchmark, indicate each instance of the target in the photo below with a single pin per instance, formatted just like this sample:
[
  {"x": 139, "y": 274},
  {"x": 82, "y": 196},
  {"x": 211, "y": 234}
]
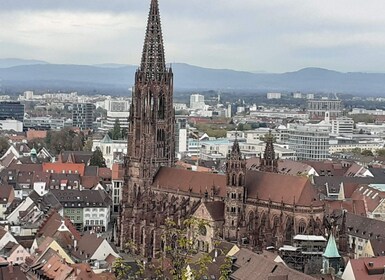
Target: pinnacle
[{"x": 153, "y": 60}]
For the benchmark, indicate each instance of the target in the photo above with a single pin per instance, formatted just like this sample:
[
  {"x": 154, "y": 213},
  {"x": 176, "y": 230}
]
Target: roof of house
[
  {"x": 76, "y": 156},
  {"x": 368, "y": 268},
  {"x": 72, "y": 198},
  {"x": 364, "y": 227},
  {"x": 68, "y": 167},
  {"x": 353, "y": 206},
  {"x": 52, "y": 224},
  {"x": 117, "y": 171},
  {"x": 12, "y": 273},
  {"x": 87, "y": 246},
  {"x": 256, "y": 267}
]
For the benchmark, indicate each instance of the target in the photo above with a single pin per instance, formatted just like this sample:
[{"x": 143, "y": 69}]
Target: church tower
[
  {"x": 269, "y": 163},
  {"x": 151, "y": 140},
  {"x": 236, "y": 194}
]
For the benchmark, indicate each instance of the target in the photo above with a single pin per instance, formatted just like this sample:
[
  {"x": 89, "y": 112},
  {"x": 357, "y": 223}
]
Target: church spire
[{"x": 153, "y": 60}]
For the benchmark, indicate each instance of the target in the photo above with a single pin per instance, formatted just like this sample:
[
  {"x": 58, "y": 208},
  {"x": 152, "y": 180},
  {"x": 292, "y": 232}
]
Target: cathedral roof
[
  {"x": 185, "y": 180},
  {"x": 279, "y": 187},
  {"x": 262, "y": 185}
]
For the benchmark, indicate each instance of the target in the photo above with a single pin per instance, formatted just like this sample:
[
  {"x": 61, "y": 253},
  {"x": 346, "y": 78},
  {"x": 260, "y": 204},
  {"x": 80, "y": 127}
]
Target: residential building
[
  {"x": 83, "y": 115},
  {"x": 117, "y": 186},
  {"x": 87, "y": 209}
]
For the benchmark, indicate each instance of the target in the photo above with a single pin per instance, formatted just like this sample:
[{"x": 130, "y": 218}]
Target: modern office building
[
  {"x": 83, "y": 115},
  {"x": 309, "y": 143},
  {"x": 316, "y": 108},
  {"x": 12, "y": 110},
  {"x": 116, "y": 110},
  {"x": 342, "y": 125}
]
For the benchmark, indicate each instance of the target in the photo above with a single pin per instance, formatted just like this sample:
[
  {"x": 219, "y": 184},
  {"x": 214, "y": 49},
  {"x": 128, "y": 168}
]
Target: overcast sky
[{"x": 252, "y": 35}]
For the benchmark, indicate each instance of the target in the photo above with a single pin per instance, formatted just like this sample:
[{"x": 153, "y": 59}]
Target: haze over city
[{"x": 271, "y": 36}]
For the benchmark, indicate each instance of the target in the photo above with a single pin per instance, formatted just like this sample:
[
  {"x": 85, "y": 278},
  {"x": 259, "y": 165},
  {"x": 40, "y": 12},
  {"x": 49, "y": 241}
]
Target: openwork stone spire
[
  {"x": 153, "y": 60},
  {"x": 269, "y": 162}
]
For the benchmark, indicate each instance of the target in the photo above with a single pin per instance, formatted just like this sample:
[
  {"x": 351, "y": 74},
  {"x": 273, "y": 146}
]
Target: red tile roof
[
  {"x": 368, "y": 268},
  {"x": 279, "y": 187},
  {"x": 58, "y": 167},
  {"x": 117, "y": 171}
]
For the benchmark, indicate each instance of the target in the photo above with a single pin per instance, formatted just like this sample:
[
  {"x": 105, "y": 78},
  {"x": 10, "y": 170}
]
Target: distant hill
[
  {"x": 10, "y": 62},
  {"x": 33, "y": 74}
]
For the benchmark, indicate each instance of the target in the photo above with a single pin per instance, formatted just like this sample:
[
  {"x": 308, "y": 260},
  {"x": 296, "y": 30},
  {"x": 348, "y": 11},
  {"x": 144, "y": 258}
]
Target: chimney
[
  {"x": 75, "y": 245},
  {"x": 370, "y": 264}
]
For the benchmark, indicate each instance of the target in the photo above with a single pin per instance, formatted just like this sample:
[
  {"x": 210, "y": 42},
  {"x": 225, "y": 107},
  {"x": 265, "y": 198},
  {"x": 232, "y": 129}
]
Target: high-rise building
[
  {"x": 317, "y": 108},
  {"x": 83, "y": 115},
  {"x": 273, "y": 95},
  {"x": 197, "y": 102},
  {"x": 12, "y": 110},
  {"x": 151, "y": 138}
]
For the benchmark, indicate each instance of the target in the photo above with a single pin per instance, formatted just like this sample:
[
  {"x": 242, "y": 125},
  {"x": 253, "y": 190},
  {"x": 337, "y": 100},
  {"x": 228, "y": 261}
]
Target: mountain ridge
[{"x": 40, "y": 74}]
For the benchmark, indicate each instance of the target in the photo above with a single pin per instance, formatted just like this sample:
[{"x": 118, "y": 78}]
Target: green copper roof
[
  {"x": 106, "y": 139},
  {"x": 331, "y": 250}
]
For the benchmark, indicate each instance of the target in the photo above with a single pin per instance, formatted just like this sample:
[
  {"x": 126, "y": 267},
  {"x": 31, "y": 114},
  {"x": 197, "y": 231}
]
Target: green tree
[
  {"x": 88, "y": 145},
  {"x": 180, "y": 247},
  {"x": 121, "y": 269},
  {"x": 117, "y": 130},
  {"x": 368, "y": 153},
  {"x": 380, "y": 152},
  {"x": 4, "y": 145},
  {"x": 97, "y": 158}
]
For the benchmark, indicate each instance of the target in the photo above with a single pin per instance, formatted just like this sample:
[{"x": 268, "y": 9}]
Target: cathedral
[{"x": 253, "y": 208}]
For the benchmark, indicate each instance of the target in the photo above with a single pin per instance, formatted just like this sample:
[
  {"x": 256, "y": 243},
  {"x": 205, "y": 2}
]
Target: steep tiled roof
[
  {"x": 216, "y": 210},
  {"x": 353, "y": 206},
  {"x": 87, "y": 246},
  {"x": 52, "y": 224},
  {"x": 278, "y": 187},
  {"x": 261, "y": 185},
  {"x": 117, "y": 171},
  {"x": 364, "y": 227},
  {"x": 256, "y": 267},
  {"x": 368, "y": 268},
  {"x": 184, "y": 180},
  {"x": 12, "y": 273},
  {"x": 57, "y": 167}
]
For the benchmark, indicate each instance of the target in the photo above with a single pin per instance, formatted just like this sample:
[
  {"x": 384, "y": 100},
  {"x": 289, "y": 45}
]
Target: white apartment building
[
  {"x": 273, "y": 95},
  {"x": 197, "y": 102},
  {"x": 342, "y": 125},
  {"x": 309, "y": 143}
]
